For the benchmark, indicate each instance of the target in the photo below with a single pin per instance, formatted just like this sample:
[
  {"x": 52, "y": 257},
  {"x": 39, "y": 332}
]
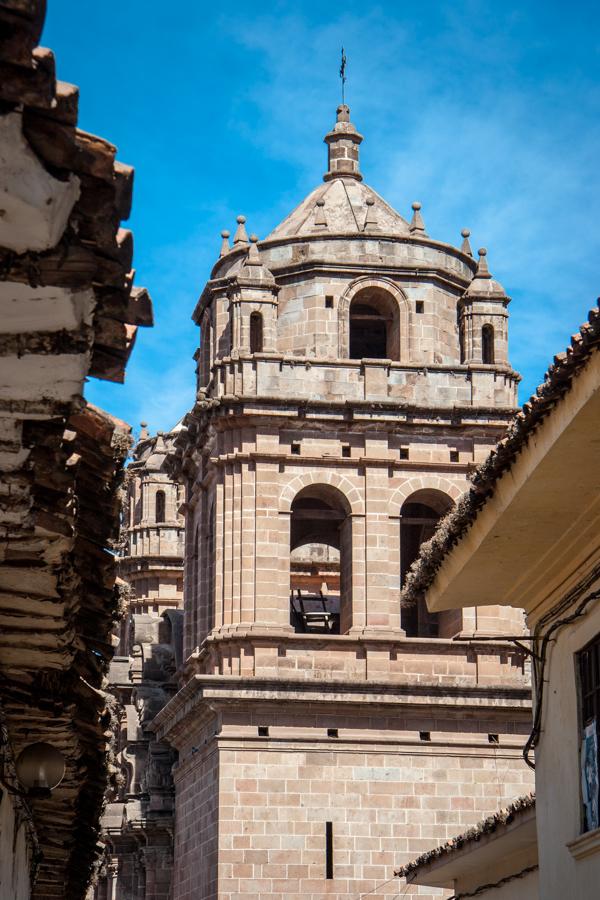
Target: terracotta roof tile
[{"x": 557, "y": 382}]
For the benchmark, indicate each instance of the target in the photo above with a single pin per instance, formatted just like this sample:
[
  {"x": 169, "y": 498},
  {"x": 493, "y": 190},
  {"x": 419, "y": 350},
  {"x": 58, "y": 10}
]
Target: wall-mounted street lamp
[{"x": 40, "y": 768}]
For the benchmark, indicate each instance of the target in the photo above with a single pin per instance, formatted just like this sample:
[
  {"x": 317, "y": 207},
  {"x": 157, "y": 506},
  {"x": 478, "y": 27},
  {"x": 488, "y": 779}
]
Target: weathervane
[{"x": 343, "y": 75}]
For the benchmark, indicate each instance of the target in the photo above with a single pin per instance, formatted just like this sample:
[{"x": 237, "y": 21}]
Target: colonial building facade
[
  {"x": 512, "y": 542},
  {"x": 352, "y": 372}
]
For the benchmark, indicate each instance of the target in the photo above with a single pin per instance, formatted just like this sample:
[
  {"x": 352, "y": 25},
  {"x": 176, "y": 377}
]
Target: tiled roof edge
[
  {"x": 501, "y": 818},
  {"x": 557, "y": 382}
]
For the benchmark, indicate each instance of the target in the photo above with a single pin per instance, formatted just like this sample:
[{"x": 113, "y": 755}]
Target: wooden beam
[{"x": 331, "y": 515}]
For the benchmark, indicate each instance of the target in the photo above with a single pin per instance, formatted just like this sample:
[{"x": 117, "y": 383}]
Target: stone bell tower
[
  {"x": 325, "y": 735},
  {"x": 137, "y": 825}
]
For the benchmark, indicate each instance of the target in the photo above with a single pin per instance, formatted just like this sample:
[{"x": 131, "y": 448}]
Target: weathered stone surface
[{"x": 35, "y": 206}]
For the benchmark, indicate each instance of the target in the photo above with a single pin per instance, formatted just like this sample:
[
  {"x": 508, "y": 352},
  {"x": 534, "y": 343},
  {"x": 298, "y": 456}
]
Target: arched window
[
  {"x": 420, "y": 515},
  {"x": 487, "y": 344},
  {"x": 320, "y": 562},
  {"x": 159, "y": 506},
  {"x": 374, "y": 325},
  {"x": 256, "y": 333}
]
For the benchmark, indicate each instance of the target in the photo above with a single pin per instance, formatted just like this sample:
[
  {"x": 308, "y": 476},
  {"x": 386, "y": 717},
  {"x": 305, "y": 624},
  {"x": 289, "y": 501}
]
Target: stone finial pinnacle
[
  {"x": 482, "y": 266},
  {"x": 320, "y": 217},
  {"x": 342, "y": 147},
  {"x": 240, "y": 236},
  {"x": 253, "y": 258},
  {"x": 466, "y": 246},
  {"x": 371, "y": 223},
  {"x": 342, "y": 113},
  {"x": 417, "y": 225},
  {"x": 144, "y": 431},
  {"x": 225, "y": 248}
]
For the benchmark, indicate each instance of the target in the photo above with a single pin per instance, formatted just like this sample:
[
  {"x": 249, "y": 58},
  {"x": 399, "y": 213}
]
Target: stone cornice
[{"x": 214, "y": 691}]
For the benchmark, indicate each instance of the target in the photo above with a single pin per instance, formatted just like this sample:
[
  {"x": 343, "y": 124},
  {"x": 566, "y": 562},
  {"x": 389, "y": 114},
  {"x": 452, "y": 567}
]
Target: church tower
[
  {"x": 351, "y": 373},
  {"x": 137, "y": 825}
]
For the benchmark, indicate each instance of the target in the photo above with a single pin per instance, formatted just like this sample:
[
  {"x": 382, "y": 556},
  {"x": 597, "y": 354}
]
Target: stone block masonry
[{"x": 352, "y": 372}]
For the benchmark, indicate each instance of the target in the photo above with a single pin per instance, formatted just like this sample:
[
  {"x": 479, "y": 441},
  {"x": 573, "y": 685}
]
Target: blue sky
[{"x": 488, "y": 113}]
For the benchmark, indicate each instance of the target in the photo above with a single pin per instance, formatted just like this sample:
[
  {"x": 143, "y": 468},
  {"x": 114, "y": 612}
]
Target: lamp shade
[{"x": 40, "y": 765}]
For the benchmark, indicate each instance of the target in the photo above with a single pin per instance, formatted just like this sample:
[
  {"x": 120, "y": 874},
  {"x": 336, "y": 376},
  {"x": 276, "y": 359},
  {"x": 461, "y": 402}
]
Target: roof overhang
[
  {"x": 508, "y": 849},
  {"x": 540, "y": 526}
]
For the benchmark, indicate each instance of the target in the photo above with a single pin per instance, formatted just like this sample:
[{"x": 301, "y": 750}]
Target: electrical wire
[
  {"x": 483, "y": 888},
  {"x": 539, "y": 665},
  {"x": 377, "y": 887}
]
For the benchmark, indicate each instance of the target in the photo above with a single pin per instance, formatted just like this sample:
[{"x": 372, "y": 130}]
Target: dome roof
[{"x": 341, "y": 206}]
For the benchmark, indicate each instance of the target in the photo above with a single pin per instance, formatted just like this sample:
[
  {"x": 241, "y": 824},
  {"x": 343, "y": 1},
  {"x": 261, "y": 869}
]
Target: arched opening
[
  {"x": 320, "y": 562},
  {"x": 420, "y": 515},
  {"x": 256, "y": 332},
  {"x": 159, "y": 506},
  {"x": 487, "y": 344},
  {"x": 374, "y": 325}
]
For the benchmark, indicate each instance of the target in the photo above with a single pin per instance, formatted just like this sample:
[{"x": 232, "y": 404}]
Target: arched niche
[
  {"x": 320, "y": 561},
  {"x": 420, "y": 514},
  {"x": 373, "y": 321}
]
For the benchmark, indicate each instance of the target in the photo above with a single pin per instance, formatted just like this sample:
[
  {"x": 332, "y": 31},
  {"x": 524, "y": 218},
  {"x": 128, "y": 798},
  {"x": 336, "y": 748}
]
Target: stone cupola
[
  {"x": 252, "y": 305},
  {"x": 483, "y": 318},
  {"x": 342, "y": 148}
]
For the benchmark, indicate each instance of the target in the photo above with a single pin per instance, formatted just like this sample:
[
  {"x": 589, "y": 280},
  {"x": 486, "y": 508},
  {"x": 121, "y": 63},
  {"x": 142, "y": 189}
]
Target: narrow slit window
[
  {"x": 159, "y": 508},
  {"x": 329, "y": 850},
  {"x": 487, "y": 344},
  {"x": 256, "y": 333}
]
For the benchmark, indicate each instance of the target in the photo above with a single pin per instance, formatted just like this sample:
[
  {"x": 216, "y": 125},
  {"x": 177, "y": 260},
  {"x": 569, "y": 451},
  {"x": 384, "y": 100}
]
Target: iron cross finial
[{"x": 343, "y": 75}]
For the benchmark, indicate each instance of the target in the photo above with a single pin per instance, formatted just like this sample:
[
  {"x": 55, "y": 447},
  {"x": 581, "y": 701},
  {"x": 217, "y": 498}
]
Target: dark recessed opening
[
  {"x": 296, "y": 449},
  {"x": 419, "y": 516},
  {"x": 256, "y": 333},
  {"x": 420, "y": 306},
  {"x": 346, "y": 451},
  {"x": 403, "y": 452},
  {"x": 263, "y": 731},
  {"x": 368, "y": 332},
  {"x": 487, "y": 344},
  {"x": 454, "y": 456},
  {"x": 332, "y": 732},
  {"x": 329, "y": 302},
  {"x": 328, "y": 850},
  {"x": 494, "y": 738},
  {"x": 424, "y": 735}
]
